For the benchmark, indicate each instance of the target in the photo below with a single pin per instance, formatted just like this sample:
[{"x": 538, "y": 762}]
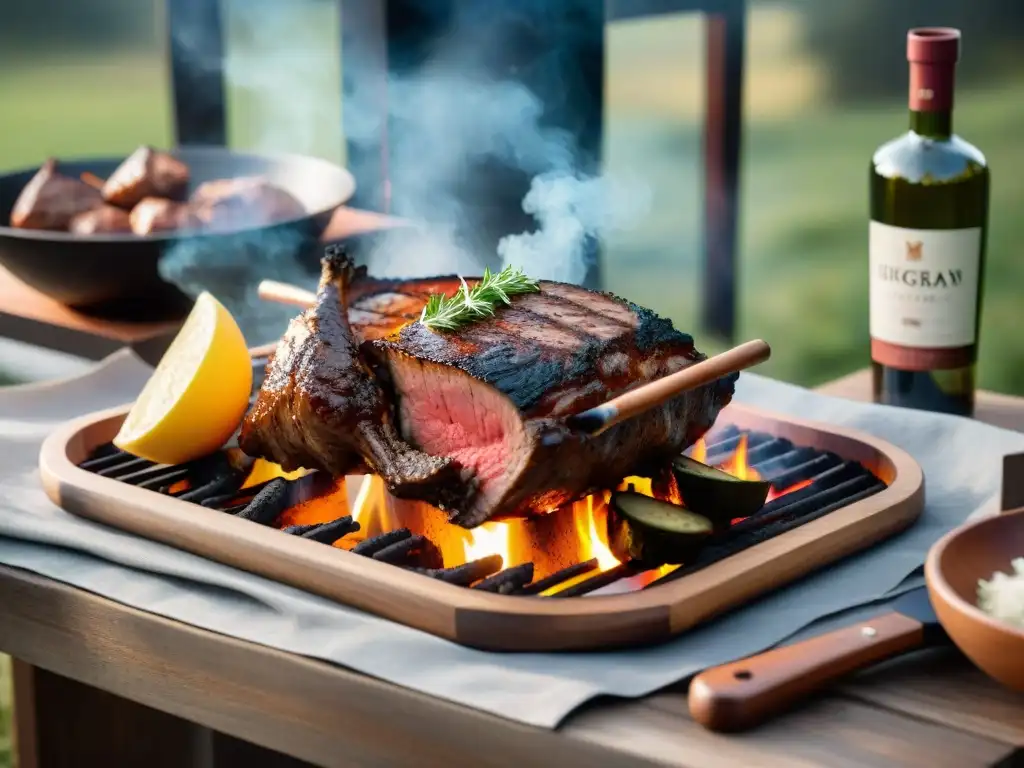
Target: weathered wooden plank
[
  {"x": 942, "y": 686},
  {"x": 829, "y": 731}
]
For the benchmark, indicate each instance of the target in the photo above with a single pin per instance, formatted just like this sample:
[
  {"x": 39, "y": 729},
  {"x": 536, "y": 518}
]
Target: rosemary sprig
[{"x": 470, "y": 304}]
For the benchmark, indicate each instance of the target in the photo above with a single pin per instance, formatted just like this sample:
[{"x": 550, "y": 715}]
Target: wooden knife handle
[{"x": 740, "y": 695}]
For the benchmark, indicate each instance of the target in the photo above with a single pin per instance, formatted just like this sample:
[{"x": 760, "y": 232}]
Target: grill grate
[{"x": 216, "y": 482}]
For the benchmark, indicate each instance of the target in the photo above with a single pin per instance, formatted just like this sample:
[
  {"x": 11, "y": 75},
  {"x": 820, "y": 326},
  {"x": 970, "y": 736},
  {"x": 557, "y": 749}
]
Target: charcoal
[
  {"x": 268, "y": 504},
  {"x": 811, "y": 498},
  {"x": 509, "y": 581},
  {"x": 119, "y": 469},
  {"x": 803, "y": 472},
  {"x": 466, "y": 574},
  {"x": 777, "y": 465},
  {"x": 561, "y": 576},
  {"x": 721, "y": 453},
  {"x": 369, "y": 547},
  {"x": 716, "y": 437},
  {"x": 105, "y": 456},
  {"x": 224, "y": 498},
  {"x": 416, "y": 551},
  {"x": 231, "y": 480},
  {"x": 328, "y": 533},
  {"x": 603, "y": 579},
  {"x": 157, "y": 477},
  {"x": 298, "y": 530},
  {"x": 768, "y": 450}
]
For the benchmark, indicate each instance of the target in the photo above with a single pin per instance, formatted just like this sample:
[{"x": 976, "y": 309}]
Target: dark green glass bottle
[{"x": 929, "y": 221}]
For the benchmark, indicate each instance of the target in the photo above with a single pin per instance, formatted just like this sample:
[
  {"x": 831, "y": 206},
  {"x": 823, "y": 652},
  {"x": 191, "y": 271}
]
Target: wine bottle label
[{"x": 923, "y": 293}]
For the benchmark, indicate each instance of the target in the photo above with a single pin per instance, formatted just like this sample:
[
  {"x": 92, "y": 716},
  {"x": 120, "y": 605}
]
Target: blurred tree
[
  {"x": 862, "y": 42},
  {"x": 47, "y": 26}
]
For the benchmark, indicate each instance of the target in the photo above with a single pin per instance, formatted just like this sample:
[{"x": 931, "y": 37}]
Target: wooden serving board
[{"x": 487, "y": 620}]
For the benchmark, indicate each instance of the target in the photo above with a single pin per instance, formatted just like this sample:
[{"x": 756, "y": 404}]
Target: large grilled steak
[
  {"x": 494, "y": 396},
  {"x": 320, "y": 406},
  {"x": 491, "y": 398}
]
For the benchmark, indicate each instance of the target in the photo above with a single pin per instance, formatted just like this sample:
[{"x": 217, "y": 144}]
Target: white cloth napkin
[{"x": 961, "y": 459}]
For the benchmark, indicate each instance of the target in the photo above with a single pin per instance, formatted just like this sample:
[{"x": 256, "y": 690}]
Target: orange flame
[
  {"x": 489, "y": 539},
  {"x": 700, "y": 451},
  {"x": 592, "y": 533},
  {"x": 263, "y": 470},
  {"x": 737, "y": 465},
  {"x": 518, "y": 541}
]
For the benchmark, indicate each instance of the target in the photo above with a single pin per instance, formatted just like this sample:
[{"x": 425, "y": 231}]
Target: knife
[{"x": 742, "y": 694}]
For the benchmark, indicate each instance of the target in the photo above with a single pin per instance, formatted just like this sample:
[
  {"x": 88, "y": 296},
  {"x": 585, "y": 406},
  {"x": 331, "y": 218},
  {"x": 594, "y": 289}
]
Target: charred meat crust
[{"x": 321, "y": 407}]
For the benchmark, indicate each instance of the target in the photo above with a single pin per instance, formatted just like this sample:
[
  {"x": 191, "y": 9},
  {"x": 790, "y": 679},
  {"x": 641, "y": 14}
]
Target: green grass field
[{"x": 803, "y": 259}]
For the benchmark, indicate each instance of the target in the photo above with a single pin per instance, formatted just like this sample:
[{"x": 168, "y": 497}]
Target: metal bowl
[{"x": 87, "y": 271}]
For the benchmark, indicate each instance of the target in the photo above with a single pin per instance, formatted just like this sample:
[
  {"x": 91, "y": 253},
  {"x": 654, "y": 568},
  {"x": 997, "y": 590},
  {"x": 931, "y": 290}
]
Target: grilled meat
[
  {"x": 494, "y": 397},
  {"x": 51, "y": 199},
  {"x": 146, "y": 173},
  {"x": 158, "y": 214},
  {"x": 243, "y": 202},
  {"x": 321, "y": 407},
  {"x": 491, "y": 397},
  {"x": 106, "y": 218}
]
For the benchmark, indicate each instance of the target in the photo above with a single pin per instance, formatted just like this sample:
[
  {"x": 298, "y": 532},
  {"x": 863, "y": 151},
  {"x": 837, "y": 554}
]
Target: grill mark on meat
[
  {"x": 494, "y": 350},
  {"x": 572, "y": 316},
  {"x": 588, "y": 300}
]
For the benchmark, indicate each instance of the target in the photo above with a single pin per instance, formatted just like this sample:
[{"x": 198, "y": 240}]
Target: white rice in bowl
[{"x": 1002, "y": 597}]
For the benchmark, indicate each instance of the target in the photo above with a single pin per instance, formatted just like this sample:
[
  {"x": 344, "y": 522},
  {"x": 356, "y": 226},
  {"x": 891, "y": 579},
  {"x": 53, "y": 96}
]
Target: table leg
[{"x": 60, "y": 723}]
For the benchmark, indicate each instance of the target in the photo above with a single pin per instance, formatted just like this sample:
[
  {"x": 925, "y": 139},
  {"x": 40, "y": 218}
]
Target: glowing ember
[{"x": 774, "y": 494}]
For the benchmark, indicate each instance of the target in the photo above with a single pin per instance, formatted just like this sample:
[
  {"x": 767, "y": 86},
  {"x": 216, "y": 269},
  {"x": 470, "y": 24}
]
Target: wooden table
[{"x": 98, "y": 683}]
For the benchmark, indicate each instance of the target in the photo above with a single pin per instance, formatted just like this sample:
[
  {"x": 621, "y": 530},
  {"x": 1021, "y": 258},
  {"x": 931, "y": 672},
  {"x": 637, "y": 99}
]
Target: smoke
[
  {"x": 571, "y": 210},
  {"x": 455, "y": 132}
]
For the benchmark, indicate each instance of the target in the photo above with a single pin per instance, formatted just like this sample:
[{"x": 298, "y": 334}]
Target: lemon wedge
[{"x": 198, "y": 394}]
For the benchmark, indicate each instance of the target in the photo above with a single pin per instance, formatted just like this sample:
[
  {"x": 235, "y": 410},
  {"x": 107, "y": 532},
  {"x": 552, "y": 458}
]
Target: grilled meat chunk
[
  {"x": 244, "y": 202},
  {"x": 146, "y": 173},
  {"x": 106, "y": 218},
  {"x": 157, "y": 214},
  {"x": 50, "y": 200},
  {"x": 321, "y": 407},
  {"x": 494, "y": 396}
]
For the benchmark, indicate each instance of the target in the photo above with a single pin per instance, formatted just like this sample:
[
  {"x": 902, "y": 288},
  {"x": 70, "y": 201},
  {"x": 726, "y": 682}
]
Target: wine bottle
[{"x": 929, "y": 220}]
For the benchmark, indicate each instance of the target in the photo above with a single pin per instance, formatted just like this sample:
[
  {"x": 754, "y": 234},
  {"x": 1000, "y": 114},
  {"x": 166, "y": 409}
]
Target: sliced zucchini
[
  {"x": 716, "y": 494},
  {"x": 654, "y": 532}
]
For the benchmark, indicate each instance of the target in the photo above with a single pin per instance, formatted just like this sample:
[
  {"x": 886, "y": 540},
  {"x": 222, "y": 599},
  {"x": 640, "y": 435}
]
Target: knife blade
[{"x": 742, "y": 694}]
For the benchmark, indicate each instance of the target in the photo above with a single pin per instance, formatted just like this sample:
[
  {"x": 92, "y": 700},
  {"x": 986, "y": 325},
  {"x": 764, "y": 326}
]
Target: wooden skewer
[
  {"x": 647, "y": 396},
  {"x": 92, "y": 180},
  {"x": 285, "y": 293}
]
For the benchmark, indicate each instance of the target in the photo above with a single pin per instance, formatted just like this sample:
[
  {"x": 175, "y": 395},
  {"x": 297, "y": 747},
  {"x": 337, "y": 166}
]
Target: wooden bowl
[{"x": 955, "y": 563}]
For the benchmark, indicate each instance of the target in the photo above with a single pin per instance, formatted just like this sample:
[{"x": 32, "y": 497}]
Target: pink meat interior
[{"x": 444, "y": 412}]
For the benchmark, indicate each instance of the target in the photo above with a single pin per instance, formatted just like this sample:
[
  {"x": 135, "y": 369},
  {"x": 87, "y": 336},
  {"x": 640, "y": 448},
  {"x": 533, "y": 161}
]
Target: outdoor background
[{"x": 825, "y": 84}]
